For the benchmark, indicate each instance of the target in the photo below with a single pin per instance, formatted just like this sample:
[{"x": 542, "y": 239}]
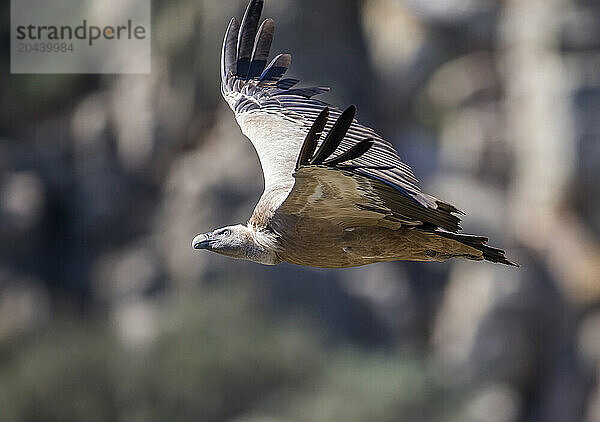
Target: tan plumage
[{"x": 336, "y": 194}]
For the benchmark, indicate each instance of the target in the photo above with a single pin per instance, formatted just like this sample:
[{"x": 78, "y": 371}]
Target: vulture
[{"x": 336, "y": 194}]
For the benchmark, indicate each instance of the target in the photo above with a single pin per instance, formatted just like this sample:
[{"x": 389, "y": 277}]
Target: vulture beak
[{"x": 202, "y": 241}]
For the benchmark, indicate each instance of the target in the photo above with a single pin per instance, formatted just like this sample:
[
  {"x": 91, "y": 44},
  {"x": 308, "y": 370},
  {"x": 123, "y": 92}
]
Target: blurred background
[{"x": 106, "y": 313}]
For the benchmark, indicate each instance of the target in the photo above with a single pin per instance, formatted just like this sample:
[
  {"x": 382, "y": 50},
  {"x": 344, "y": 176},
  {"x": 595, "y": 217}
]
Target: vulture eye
[{"x": 226, "y": 232}]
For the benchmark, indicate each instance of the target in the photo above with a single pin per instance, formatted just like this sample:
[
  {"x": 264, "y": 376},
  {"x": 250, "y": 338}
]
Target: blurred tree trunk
[{"x": 539, "y": 123}]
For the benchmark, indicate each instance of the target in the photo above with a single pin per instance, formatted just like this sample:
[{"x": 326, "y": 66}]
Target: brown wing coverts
[{"x": 401, "y": 204}]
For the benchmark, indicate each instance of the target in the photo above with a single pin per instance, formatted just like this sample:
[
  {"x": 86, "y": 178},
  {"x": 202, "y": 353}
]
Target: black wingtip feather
[
  {"x": 262, "y": 46},
  {"x": 275, "y": 70},
  {"x": 308, "y": 92},
  {"x": 287, "y": 83},
  {"x": 312, "y": 137},
  {"x": 335, "y": 136},
  {"x": 229, "y": 51},
  {"x": 247, "y": 36},
  {"x": 356, "y": 151}
]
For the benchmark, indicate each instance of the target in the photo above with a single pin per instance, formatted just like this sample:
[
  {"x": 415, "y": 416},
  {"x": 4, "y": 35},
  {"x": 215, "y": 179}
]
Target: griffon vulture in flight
[{"x": 336, "y": 194}]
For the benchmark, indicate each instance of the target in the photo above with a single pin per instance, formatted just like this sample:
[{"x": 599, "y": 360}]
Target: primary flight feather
[{"x": 336, "y": 194}]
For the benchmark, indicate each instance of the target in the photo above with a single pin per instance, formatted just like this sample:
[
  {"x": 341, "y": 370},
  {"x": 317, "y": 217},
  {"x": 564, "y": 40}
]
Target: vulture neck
[{"x": 261, "y": 246}]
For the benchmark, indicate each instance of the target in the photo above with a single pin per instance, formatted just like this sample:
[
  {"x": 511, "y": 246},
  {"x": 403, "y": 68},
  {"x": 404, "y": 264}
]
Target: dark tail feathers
[{"x": 479, "y": 243}]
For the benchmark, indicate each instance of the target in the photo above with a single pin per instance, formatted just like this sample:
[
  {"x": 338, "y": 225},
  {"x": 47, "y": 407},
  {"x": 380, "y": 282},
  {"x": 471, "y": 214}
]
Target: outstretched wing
[
  {"x": 331, "y": 184},
  {"x": 276, "y": 116}
]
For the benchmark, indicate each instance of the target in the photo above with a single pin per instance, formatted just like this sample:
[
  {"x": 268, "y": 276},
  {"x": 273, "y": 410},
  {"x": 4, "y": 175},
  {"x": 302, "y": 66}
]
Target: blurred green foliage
[
  {"x": 212, "y": 357},
  {"x": 215, "y": 356}
]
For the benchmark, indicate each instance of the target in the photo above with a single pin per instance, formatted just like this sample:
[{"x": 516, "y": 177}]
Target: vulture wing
[
  {"x": 277, "y": 117},
  {"x": 332, "y": 184}
]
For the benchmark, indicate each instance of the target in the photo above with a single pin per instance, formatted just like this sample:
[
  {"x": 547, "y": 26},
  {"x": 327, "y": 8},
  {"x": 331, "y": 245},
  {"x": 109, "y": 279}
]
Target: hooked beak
[{"x": 202, "y": 241}]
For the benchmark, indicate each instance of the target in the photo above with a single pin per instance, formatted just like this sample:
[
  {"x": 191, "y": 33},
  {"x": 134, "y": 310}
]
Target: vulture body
[{"x": 336, "y": 194}]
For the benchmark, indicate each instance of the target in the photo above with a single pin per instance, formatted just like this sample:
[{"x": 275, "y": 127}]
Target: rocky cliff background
[{"x": 106, "y": 313}]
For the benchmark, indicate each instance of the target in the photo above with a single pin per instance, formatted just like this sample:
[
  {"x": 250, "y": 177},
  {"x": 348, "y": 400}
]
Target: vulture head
[{"x": 240, "y": 242}]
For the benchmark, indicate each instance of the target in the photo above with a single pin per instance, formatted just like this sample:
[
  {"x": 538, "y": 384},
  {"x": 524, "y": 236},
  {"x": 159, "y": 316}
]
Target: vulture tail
[{"x": 479, "y": 243}]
